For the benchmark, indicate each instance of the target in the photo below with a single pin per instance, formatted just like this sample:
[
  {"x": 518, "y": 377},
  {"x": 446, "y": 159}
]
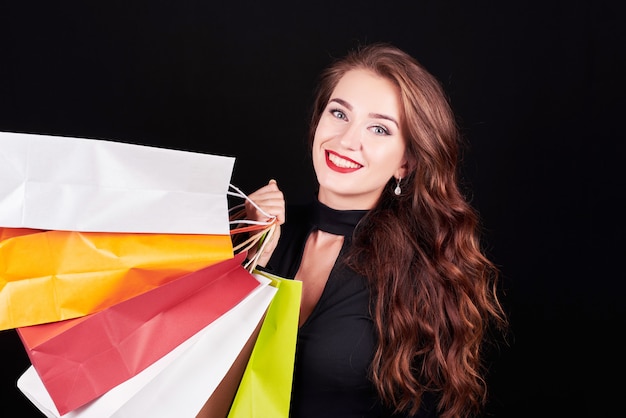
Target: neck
[{"x": 346, "y": 202}]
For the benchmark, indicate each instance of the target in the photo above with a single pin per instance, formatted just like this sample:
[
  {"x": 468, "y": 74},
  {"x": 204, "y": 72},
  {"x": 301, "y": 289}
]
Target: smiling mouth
[{"x": 341, "y": 164}]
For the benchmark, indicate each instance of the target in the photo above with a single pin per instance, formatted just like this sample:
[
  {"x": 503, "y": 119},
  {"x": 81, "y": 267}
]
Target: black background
[{"x": 537, "y": 87}]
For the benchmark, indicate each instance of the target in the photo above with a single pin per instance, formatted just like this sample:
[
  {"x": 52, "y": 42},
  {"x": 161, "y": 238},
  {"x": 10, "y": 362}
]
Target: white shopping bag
[
  {"x": 179, "y": 383},
  {"x": 88, "y": 185}
]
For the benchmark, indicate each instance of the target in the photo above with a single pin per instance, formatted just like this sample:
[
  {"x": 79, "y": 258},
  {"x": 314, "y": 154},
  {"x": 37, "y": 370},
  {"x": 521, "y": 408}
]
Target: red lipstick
[{"x": 338, "y": 169}]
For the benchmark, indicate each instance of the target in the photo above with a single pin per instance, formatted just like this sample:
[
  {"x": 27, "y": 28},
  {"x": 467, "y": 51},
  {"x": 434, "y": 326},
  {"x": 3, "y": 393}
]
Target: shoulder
[
  {"x": 298, "y": 212},
  {"x": 297, "y": 219},
  {"x": 288, "y": 252}
]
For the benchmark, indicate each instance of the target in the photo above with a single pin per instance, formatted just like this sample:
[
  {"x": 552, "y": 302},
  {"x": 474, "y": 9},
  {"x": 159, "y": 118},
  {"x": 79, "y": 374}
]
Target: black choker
[{"x": 337, "y": 222}]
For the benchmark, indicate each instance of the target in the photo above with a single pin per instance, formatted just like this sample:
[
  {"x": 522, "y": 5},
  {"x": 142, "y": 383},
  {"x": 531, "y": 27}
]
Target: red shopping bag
[
  {"x": 80, "y": 359},
  {"x": 179, "y": 383}
]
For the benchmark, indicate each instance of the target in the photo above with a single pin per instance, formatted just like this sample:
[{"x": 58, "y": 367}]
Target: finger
[{"x": 268, "y": 200}]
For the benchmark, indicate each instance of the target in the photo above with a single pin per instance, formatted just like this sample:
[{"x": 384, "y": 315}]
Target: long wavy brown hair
[{"x": 434, "y": 292}]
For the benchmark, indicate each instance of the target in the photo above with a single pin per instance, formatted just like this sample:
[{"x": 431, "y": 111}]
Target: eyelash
[{"x": 335, "y": 113}]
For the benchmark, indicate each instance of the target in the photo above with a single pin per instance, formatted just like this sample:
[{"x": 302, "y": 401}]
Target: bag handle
[{"x": 259, "y": 233}]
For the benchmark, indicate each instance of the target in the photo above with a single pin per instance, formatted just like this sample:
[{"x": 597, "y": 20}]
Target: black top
[{"x": 336, "y": 343}]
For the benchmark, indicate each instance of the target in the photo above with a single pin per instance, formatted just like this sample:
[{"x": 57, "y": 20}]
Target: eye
[
  {"x": 380, "y": 130},
  {"x": 338, "y": 114}
]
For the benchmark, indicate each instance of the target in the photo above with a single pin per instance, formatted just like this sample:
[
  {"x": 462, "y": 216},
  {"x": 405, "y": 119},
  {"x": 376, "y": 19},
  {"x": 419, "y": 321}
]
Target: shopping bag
[
  {"x": 6, "y": 233},
  {"x": 265, "y": 388},
  {"x": 80, "y": 359},
  {"x": 89, "y": 185},
  {"x": 178, "y": 384},
  {"x": 56, "y": 275}
]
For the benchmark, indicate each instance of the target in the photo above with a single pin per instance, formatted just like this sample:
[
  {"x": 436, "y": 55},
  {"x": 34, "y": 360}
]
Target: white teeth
[{"x": 340, "y": 162}]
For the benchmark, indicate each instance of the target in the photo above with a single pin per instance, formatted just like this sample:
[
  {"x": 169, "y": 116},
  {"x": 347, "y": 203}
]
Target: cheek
[
  {"x": 316, "y": 136},
  {"x": 328, "y": 129},
  {"x": 318, "y": 155},
  {"x": 390, "y": 159},
  {"x": 319, "y": 134}
]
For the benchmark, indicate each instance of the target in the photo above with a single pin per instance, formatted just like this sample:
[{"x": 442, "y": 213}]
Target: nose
[{"x": 352, "y": 137}]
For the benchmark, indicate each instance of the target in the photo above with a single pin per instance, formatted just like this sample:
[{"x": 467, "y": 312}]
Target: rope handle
[{"x": 260, "y": 232}]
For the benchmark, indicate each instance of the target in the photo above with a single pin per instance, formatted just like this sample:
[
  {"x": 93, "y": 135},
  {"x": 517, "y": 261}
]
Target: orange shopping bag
[
  {"x": 6, "y": 233},
  {"x": 56, "y": 275}
]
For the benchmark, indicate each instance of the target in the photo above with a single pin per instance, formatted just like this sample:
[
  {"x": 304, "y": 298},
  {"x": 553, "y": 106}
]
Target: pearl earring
[{"x": 398, "y": 190}]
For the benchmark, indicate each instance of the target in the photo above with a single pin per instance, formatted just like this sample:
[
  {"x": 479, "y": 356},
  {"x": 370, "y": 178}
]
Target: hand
[{"x": 272, "y": 201}]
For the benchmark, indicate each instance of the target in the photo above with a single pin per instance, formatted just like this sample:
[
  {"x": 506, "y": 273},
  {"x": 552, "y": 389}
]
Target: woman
[{"x": 397, "y": 296}]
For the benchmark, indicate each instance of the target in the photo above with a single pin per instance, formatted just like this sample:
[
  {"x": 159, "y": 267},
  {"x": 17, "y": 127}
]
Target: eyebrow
[{"x": 372, "y": 115}]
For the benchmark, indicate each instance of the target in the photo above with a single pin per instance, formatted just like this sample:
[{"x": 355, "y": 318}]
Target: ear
[{"x": 403, "y": 170}]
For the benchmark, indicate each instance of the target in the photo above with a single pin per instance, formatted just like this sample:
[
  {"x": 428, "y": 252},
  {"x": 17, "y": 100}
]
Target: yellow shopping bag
[
  {"x": 50, "y": 276},
  {"x": 265, "y": 388}
]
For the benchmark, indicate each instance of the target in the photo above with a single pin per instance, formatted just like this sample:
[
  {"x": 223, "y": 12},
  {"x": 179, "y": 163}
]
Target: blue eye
[
  {"x": 380, "y": 130},
  {"x": 338, "y": 114}
]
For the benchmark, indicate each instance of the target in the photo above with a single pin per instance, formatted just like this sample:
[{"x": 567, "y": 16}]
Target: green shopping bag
[{"x": 265, "y": 388}]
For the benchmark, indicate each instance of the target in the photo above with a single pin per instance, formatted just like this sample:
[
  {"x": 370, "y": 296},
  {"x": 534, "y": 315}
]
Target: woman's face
[{"x": 358, "y": 145}]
